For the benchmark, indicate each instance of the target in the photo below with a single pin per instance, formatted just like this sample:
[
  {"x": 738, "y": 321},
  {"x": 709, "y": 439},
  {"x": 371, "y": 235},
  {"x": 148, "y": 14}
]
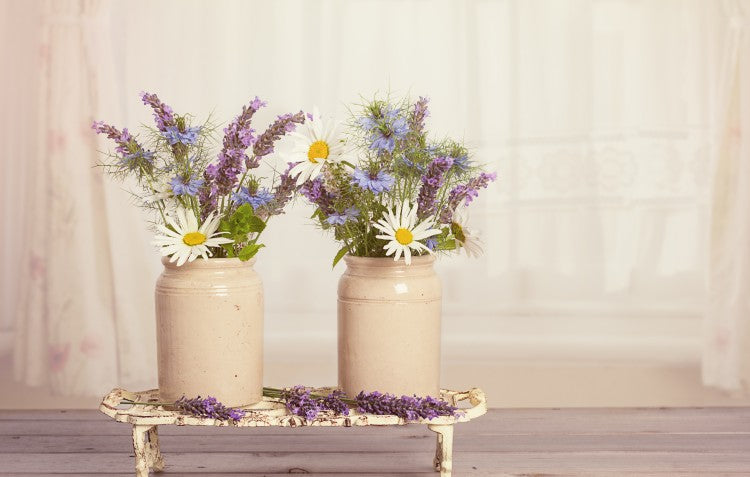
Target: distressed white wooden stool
[{"x": 146, "y": 419}]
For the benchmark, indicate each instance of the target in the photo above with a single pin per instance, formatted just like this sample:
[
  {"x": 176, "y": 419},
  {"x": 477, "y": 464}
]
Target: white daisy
[
  {"x": 188, "y": 241},
  {"x": 318, "y": 146},
  {"x": 466, "y": 238},
  {"x": 402, "y": 231}
]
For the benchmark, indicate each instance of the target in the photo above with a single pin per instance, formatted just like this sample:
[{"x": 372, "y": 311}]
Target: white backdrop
[{"x": 596, "y": 114}]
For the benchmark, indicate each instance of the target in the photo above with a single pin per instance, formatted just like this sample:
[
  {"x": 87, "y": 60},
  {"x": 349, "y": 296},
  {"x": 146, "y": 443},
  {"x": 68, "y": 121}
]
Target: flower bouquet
[
  {"x": 405, "y": 195},
  {"x": 392, "y": 192},
  {"x": 209, "y": 313},
  {"x": 205, "y": 206}
]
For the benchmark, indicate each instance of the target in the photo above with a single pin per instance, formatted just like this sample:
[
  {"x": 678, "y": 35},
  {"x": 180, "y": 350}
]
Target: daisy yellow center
[
  {"x": 404, "y": 236},
  {"x": 193, "y": 238},
  {"x": 317, "y": 150}
]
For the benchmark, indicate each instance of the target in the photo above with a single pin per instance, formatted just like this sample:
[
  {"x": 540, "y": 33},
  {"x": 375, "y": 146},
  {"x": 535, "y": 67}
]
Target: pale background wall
[{"x": 597, "y": 115}]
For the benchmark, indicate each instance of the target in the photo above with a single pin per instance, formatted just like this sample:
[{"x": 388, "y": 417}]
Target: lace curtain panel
[{"x": 598, "y": 116}]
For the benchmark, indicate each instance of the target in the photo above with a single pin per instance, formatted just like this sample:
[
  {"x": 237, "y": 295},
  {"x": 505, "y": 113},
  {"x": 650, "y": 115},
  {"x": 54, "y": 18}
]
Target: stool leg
[
  {"x": 155, "y": 459},
  {"x": 140, "y": 451},
  {"x": 444, "y": 451}
]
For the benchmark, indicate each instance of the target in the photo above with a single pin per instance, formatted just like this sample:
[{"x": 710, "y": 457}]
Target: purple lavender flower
[
  {"x": 410, "y": 408},
  {"x": 300, "y": 402},
  {"x": 258, "y": 199},
  {"x": 208, "y": 407},
  {"x": 418, "y": 115},
  {"x": 134, "y": 157},
  {"x": 163, "y": 114},
  {"x": 187, "y": 137},
  {"x": 221, "y": 177},
  {"x": 432, "y": 180},
  {"x": 186, "y": 186},
  {"x": 336, "y": 218},
  {"x": 335, "y": 402},
  {"x": 285, "y": 123},
  {"x": 316, "y": 192},
  {"x": 377, "y": 182},
  {"x": 466, "y": 193},
  {"x": 283, "y": 192}
]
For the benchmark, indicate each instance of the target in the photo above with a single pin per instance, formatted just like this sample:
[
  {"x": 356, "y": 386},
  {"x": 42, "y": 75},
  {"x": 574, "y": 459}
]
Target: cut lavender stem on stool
[{"x": 209, "y": 407}]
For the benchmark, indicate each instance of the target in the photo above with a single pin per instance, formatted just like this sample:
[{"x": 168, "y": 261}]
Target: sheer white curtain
[
  {"x": 595, "y": 113},
  {"x": 727, "y": 337}
]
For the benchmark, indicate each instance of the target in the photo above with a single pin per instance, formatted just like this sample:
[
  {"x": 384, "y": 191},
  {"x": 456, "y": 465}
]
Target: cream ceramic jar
[
  {"x": 389, "y": 326},
  {"x": 209, "y": 328}
]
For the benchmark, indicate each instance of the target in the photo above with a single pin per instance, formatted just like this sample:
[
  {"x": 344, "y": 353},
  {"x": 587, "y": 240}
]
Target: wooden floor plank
[
  {"x": 496, "y": 422},
  {"x": 711, "y": 442},
  {"x": 384, "y": 441},
  {"x": 283, "y": 462}
]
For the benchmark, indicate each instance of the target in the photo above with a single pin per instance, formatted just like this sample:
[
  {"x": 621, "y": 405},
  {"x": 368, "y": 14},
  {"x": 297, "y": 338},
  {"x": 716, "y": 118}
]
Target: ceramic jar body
[
  {"x": 389, "y": 326},
  {"x": 209, "y": 328}
]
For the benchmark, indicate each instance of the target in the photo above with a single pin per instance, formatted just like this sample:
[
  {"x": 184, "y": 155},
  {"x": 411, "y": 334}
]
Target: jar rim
[
  {"x": 209, "y": 263},
  {"x": 388, "y": 262}
]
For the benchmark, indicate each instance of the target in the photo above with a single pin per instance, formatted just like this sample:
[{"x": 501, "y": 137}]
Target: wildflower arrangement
[
  {"x": 207, "y": 204},
  {"x": 397, "y": 192}
]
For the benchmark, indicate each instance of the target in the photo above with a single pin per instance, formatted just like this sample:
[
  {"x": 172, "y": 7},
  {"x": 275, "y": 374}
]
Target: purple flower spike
[
  {"x": 431, "y": 182},
  {"x": 221, "y": 177},
  {"x": 283, "y": 192},
  {"x": 416, "y": 120},
  {"x": 285, "y": 123},
  {"x": 210, "y": 408},
  {"x": 410, "y": 408},
  {"x": 163, "y": 114},
  {"x": 466, "y": 193},
  {"x": 317, "y": 193}
]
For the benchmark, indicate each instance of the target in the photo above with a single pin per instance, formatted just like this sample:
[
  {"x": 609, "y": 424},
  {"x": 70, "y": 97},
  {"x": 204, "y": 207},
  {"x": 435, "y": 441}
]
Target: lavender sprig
[
  {"x": 221, "y": 178},
  {"x": 285, "y": 123},
  {"x": 316, "y": 192},
  {"x": 410, "y": 408},
  {"x": 432, "y": 180},
  {"x": 208, "y": 407},
  {"x": 282, "y": 193},
  {"x": 418, "y": 115},
  {"x": 134, "y": 156},
  {"x": 466, "y": 193},
  {"x": 163, "y": 114}
]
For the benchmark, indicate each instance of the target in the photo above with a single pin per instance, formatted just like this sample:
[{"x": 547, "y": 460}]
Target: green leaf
[
  {"x": 255, "y": 224},
  {"x": 339, "y": 255},
  {"x": 249, "y": 251},
  {"x": 229, "y": 247}
]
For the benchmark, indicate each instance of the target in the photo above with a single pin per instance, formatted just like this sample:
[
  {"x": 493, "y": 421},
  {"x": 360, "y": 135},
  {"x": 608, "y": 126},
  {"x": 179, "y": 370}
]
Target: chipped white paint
[{"x": 145, "y": 420}]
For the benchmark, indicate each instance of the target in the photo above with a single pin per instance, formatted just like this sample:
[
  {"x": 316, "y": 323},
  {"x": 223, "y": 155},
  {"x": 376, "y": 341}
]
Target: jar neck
[
  {"x": 386, "y": 266},
  {"x": 209, "y": 264}
]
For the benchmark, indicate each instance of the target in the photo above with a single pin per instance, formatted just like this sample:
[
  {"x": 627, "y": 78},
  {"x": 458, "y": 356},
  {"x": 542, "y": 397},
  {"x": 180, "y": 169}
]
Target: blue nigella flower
[
  {"x": 133, "y": 161},
  {"x": 259, "y": 199},
  {"x": 376, "y": 183},
  {"x": 431, "y": 243},
  {"x": 418, "y": 167},
  {"x": 461, "y": 163},
  {"x": 181, "y": 186},
  {"x": 340, "y": 219},
  {"x": 174, "y": 135}
]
